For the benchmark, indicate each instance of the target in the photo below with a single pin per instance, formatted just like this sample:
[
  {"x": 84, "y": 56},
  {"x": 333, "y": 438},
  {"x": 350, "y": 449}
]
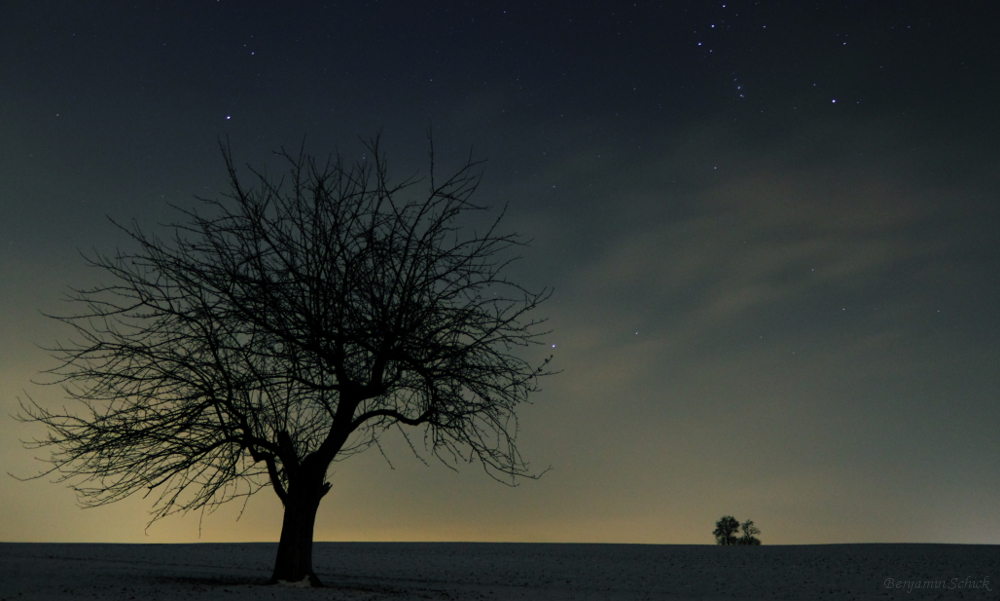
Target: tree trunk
[{"x": 294, "y": 560}]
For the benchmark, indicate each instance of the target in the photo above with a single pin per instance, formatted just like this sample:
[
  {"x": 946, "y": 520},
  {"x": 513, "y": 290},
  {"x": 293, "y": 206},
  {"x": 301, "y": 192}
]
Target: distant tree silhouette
[
  {"x": 725, "y": 530},
  {"x": 284, "y": 327},
  {"x": 749, "y": 534}
]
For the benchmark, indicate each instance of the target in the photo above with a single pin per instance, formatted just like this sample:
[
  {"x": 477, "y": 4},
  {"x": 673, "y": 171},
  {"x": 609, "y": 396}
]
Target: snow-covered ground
[{"x": 467, "y": 571}]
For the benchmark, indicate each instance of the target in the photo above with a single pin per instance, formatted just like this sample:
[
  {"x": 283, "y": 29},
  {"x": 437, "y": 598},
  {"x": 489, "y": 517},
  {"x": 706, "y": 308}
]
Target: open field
[{"x": 467, "y": 571}]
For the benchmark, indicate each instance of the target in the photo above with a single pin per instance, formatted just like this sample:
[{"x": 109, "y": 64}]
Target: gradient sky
[{"x": 773, "y": 231}]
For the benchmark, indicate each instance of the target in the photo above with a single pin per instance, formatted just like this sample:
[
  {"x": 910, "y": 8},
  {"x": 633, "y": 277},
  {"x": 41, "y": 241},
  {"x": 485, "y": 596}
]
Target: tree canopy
[{"x": 288, "y": 325}]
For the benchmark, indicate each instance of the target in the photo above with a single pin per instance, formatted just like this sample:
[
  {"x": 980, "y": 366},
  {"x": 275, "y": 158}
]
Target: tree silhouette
[
  {"x": 725, "y": 530},
  {"x": 286, "y": 326},
  {"x": 749, "y": 534}
]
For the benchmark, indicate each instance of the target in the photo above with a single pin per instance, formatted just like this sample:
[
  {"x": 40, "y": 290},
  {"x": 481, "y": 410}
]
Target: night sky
[{"x": 772, "y": 228}]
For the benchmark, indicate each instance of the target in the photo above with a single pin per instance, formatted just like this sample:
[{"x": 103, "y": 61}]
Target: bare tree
[
  {"x": 749, "y": 534},
  {"x": 287, "y": 326},
  {"x": 725, "y": 530}
]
